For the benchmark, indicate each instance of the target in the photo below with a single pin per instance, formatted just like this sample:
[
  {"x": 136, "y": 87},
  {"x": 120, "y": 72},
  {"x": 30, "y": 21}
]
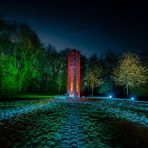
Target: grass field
[{"x": 36, "y": 96}]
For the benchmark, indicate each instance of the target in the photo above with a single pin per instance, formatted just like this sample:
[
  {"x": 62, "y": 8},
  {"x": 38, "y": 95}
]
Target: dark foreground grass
[
  {"x": 44, "y": 128},
  {"x": 102, "y": 130},
  {"x": 37, "y": 129},
  {"x": 22, "y": 103}
]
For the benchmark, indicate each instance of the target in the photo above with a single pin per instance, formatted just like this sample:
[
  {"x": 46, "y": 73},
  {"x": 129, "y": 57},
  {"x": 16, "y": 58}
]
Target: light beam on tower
[{"x": 73, "y": 86}]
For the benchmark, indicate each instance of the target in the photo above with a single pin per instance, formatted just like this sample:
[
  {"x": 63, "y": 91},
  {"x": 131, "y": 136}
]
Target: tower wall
[{"x": 73, "y": 86}]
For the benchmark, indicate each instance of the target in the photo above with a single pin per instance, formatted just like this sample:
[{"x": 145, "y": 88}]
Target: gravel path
[{"x": 72, "y": 135}]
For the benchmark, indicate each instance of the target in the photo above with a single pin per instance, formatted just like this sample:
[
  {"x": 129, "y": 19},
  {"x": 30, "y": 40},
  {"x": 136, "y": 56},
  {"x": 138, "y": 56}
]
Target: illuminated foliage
[
  {"x": 93, "y": 73},
  {"x": 60, "y": 80},
  {"x": 129, "y": 72},
  {"x": 19, "y": 58},
  {"x": 55, "y": 71},
  {"x": 28, "y": 66},
  {"x": 27, "y": 49},
  {"x": 8, "y": 74}
]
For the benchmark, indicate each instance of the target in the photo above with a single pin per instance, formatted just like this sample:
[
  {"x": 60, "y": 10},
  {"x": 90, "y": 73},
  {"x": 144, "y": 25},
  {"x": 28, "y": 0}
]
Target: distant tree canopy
[
  {"x": 28, "y": 66},
  {"x": 108, "y": 61}
]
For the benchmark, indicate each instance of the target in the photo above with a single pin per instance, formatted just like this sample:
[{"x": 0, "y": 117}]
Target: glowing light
[
  {"x": 77, "y": 87},
  {"x": 110, "y": 96},
  {"x": 132, "y": 98},
  {"x": 71, "y": 87}
]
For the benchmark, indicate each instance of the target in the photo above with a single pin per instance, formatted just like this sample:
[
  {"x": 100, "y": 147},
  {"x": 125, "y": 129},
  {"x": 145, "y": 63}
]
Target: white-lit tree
[
  {"x": 93, "y": 73},
  {"x": 129, "y": 72}
]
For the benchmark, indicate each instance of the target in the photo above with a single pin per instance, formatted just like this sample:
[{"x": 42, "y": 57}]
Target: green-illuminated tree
[
  {"x": 27, "y": 48},
  {"x": 129, "y": 72},
  {"x": 61, "y": 78},
  {"x": 8, "y": 69},
  {"x": 93, "y": 73},
  {"x": 50, "y": 69},
  {"x": 20, "y": 43},
  {"x": 8, "y": 74}
]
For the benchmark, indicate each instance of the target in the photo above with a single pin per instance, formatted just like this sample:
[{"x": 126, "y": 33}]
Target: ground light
[
  {"x": 132, "y": 98},
  {"x": 110, "y": 96}
]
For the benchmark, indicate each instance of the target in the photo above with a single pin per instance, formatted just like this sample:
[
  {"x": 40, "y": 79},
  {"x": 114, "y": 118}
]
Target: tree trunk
[
  {"x": 59, "y": 88},
  {"x": 92, "y": 90},
  {"x": 127, "y": 91}
]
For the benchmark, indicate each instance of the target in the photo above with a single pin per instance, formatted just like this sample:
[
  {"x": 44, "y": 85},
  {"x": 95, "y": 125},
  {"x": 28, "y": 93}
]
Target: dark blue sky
[{"x": 91, "y": 27}]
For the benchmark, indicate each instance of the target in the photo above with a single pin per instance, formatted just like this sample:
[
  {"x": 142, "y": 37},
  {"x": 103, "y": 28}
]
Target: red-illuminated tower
[{"x": 73, "y": 86}]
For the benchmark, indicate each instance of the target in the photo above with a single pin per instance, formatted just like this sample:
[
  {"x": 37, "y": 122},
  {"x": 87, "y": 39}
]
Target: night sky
[{"x": 91, "y": 27}]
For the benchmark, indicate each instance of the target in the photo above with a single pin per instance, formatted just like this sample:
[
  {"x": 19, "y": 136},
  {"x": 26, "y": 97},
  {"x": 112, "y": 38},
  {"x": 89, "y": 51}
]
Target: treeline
[
  {"x": 27, "y": 66},
  {"x": 117, "y": 75}
]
